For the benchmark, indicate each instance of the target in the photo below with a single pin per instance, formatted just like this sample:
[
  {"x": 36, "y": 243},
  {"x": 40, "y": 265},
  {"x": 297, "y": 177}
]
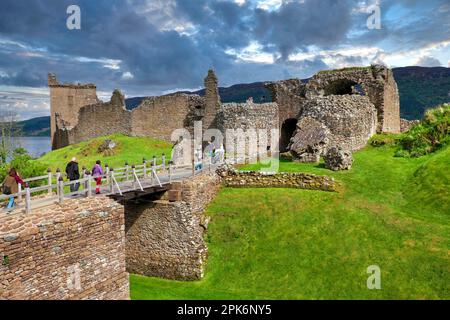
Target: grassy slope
[
  {"x": 131, "y": 149},
  {"x": 297, "y": 244}
]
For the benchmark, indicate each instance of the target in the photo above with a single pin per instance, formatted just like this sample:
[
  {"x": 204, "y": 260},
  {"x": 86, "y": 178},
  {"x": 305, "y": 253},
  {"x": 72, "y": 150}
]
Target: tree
[{"x": 8, "y": 130}]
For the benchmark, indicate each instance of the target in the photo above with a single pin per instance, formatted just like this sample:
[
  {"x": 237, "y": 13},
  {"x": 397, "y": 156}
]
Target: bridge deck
[{"x": 122, "y": 184}]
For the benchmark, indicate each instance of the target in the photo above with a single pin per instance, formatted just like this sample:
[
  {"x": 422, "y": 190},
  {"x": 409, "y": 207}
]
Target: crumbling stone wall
[
  {"x": 155, "y": 117},
  {"x": 406, "y": 125},
  {"x": 165, "y": 239},
  {"x": 212, "y": 101},
  {"x": 254, "y": 179},
  {"x": 351, "y": 119},
  {"x": 249, "y": 116},
  {"x": 376, "y": 82},
  {"x": 65, "y": 101},
  {"x": 289, "y": 95},
  {"x": 76, "y": 251},
  {"x": 99, "y": 120},
  {"x": 158, "y": 117}
]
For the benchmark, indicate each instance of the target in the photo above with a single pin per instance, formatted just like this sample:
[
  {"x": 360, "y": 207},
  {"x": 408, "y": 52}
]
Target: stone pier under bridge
[{"x": 85, "y": 248}]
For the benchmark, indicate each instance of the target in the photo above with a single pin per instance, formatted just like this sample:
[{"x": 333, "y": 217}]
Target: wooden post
[
  {"x": 89, "y": 186},
  {"x": 28, "y": 200},
  {"x": 163, "y": 161},
  {"x": 61, "y": 190},
  {"x": 145, "y": 168},
  {"x": 107, "y": 173},
  {"x": 127, "y": 168},
  {"x": 170, "y": 171},
  {"x": 50, "y": 189},
  {"x": 19, "y": 196},
  {"x": 111, "y": 180},
  {"x": 58, "y": 174},
  {"x": 151, "y": 174},
  {"x": 133, "y": 168}
]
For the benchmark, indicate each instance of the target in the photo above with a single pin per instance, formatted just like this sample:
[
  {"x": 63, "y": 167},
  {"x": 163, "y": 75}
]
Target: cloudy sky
[{"x": 149, "y": 47}]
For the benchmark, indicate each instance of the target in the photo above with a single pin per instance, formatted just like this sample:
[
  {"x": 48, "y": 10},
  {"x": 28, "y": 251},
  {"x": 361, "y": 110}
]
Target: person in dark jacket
[{"x": 73, "y": 173}]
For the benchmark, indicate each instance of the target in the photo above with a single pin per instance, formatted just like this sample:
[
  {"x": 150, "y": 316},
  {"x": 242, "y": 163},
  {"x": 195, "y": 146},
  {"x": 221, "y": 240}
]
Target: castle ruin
[{"x": 349, "y": 105}]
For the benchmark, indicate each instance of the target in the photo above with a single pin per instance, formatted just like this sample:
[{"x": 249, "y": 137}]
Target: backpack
[{"x": 6, "y": 189}]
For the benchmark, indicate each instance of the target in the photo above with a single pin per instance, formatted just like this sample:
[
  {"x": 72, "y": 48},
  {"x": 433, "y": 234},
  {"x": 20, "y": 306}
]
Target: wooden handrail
[{"x": 138, "y": 177}]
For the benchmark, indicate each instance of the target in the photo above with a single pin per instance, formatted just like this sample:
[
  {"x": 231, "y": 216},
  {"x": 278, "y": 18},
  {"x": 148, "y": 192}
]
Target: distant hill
[
  {"x": 420, "y": 88},
  {"x": 36, "y": 127},
  {"x": 236, "y": 93}
]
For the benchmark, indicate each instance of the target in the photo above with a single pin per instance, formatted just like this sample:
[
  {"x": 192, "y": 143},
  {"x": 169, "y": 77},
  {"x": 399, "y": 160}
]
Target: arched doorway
[
  {"x": 287, "y": 131},
  {"x": 340, "y": 87}
]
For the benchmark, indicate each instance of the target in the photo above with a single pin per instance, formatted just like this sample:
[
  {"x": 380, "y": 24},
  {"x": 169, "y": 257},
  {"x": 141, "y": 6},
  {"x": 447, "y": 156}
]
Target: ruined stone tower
[
  {"x": 65, "y": 102},
  {"x": 212, "y": 101}
]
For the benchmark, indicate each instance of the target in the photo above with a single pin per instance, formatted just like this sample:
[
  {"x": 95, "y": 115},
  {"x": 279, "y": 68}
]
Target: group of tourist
[
  {"x": 73, "y": 174},
  {"x": 12, "y": 181}
]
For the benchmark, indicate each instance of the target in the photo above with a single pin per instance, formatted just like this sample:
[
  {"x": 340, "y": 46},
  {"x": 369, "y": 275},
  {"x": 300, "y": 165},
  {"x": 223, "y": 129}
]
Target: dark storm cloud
[
  {"x": 156, "y": 57},
  {"x": 110, "y": 29},
  {"x": 296, "y": 25}
]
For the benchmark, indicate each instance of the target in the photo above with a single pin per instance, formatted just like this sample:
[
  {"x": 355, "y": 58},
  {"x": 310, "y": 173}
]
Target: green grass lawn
[
  {"x": 299, "y": 244},
  {"x": 128, "y": 149}
]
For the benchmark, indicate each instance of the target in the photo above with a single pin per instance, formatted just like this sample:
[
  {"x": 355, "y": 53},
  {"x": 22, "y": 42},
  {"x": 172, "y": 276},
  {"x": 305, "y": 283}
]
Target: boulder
[
  {"x": 309, "y": 141},
  {"x": 338, "y": 159}
]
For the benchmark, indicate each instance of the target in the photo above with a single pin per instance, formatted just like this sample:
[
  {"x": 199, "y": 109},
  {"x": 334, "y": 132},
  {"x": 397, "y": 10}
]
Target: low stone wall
[
  {"x": 253, "y": 179},
  {"x": 72, "y": 252},
  {"x": 165, "y": 239},
  {"x": 406, "y": 125}
]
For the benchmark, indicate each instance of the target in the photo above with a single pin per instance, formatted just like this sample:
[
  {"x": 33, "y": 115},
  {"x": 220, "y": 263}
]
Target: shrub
[
  {"x": 25, "y": 165},
  {"x": 383, "y": 139},
  {"x": 431, "y": 134}
]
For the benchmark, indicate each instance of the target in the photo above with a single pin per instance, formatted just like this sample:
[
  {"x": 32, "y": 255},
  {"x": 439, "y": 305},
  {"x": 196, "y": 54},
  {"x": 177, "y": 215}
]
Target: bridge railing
[{"x": 53, "y": 189}]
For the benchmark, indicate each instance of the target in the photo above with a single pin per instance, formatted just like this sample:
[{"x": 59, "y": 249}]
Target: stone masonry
[
  {"x": 66, "y": 100},
  {"x": 254, "y": 179},
  {"x": 237, "y": 120},
  {"x": 64, "y": 253},
  {"x": 348, "y": 96},
  {"x": 166, "y": 239}
]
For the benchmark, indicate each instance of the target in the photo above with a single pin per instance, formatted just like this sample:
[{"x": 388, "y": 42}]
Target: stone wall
[
  {"x": 377, "y": 82},
  {"x": 406, "y": 125},
  {"x": 100, "y": 120},
  {"x": 248, "y": 116},
  {"x": 253, "y": 179},
  {"x": 65, "y": 101},
  {"x": 351, "y": 119},
  {"x": 165, "y": 239},
  {"x": 156, "y": 117},
  {"x": 289, "y": 95},
  {"x": 72, "y": 252}
]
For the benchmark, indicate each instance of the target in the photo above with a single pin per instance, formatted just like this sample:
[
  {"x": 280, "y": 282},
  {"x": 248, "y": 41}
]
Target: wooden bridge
[{"x": 124, "y": 183}]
